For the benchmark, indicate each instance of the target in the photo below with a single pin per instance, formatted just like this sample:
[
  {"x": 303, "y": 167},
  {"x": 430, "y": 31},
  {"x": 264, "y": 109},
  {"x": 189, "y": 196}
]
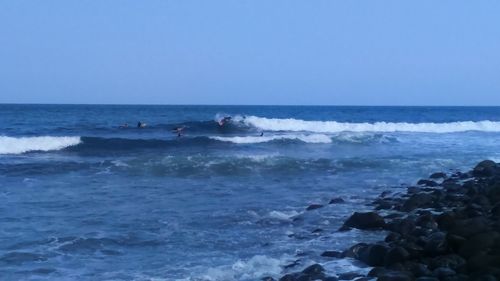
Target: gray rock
[{"x": 368, "y": 220}]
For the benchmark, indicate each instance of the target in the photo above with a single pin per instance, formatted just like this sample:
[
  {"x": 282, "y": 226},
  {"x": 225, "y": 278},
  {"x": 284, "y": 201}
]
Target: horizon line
[{"x": 296, "y": 105}]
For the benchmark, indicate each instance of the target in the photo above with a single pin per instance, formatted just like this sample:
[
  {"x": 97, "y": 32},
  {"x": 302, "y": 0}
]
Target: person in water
[
  {"x": 224, "y": 120},
  {"x": 141, "y": 125},
  {"x": 178, "y": 130},
  {"x": 262, "y": 133},
  {"x": 125, "y": 125}
]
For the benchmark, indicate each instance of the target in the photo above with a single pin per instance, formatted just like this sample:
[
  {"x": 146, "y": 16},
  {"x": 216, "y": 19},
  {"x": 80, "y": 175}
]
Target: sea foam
[
  {"x": 13, "y": 145},
  {"x": 297, "y": 125},
  {"x": 314, "y": 138}
]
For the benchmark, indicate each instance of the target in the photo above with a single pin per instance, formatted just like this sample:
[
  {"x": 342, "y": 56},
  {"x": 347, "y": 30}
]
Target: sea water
[{"x": 85, "y": 199}]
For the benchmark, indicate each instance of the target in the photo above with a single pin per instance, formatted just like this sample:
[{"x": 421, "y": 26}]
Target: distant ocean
[{"x": 83, "y": 199}]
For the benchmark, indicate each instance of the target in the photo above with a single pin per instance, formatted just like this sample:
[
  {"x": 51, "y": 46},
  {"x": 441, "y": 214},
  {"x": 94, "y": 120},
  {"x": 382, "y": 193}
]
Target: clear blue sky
[{"x": 250, "y": 52}]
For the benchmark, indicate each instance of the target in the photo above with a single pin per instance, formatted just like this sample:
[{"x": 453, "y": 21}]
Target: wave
[
  {"x": 297, "y": 125},
  {"x": 316, "y": 138},
  {"x": 18, "y": 145}
]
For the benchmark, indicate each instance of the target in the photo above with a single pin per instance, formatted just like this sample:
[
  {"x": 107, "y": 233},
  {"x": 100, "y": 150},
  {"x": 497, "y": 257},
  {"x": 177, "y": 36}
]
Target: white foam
[
  {"x": 252, "y": 269},
  {"x": 315, "y": 138},
  {"x": 285, "y": 215},
  {"x": 297, "y": 125},
  {"x": 12, "y": 145}
]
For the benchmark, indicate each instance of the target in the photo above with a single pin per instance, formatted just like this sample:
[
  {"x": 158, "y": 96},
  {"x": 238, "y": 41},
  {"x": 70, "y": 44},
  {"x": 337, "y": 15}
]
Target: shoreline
[{"x": 446, "y": 227}]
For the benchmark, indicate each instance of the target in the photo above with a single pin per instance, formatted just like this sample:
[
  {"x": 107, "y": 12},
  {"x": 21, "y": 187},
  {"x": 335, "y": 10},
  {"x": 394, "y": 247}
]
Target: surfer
[
  {"x": 262, "y": 133},
  {"x": 224, "y": 120},
  {"x": 178, "y": 130},
  {"x": 123, "y": 126},
  {"x": 141, "y": 125}
]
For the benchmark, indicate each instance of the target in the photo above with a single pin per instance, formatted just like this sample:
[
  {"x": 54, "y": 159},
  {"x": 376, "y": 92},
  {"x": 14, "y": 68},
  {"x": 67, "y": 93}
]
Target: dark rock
[
  {"x": 435, "y": 244},
  {"x": 485, "y": 168},
  {"x": 439, "y": 175},
  {"x": 469, "y": 227},
  {"x": 484, "y": 277},
  {"x": 455, "y": 241},
  {"x": 332, "y": 254},
  {"x": 442, "y": 272},
  {"x": 353, "y": 252},
  {"x": 452, "y": 261},
  {"x": 395, "y": 276},
  {"x": 478, "y": 243},
  {"x": 429, "y": 183},
  {"x": 314, "y": 269},
  {"x": 377, "y": 271},
  {"x": 417, "y": 269},
  {"x": 288, "y": 277},
  {"x": 427, "y": 278},
  {"x": 365, "y": 220},
  {"x": 336, "y": 200},
  {"x": 418, "y": 200},
  {"x": 373, "y": 255},
  {"x": 317, "y": 230},
  {"x": 396, "y": 254},
  {"x": 330, "y": 278},
  {"x": 314, "y": 207},
  {"x": 393, "y": 236},
  {"x": 349, "y": 275},
  {"x": 401, "y": 226},
  {"x": 363, "y": 279},
  {"x": 446, "y": 220},
  {"x": 268, "y": 279}
]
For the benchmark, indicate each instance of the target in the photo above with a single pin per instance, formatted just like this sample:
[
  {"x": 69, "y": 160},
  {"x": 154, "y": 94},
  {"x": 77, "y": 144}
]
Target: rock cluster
[{"x": 445, "y": 228}]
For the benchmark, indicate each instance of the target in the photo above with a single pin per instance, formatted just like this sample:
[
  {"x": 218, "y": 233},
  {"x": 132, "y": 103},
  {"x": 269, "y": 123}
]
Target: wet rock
[
  {"x": 435, "y": 244},
  {"x": 469, "y": 227},
  {"x": 396, "y": 254},
  {"x": 268, "y": 279},
  {"x": 485, "y": 168},
  {"x": 336, "y": 200},
  {"x": 393, "y": 236},
  {"x": 353, "y": 252},
  {"x": 452, "y": 261},
  {"x": 443, "y": 272},
  {"x": 418, "y": 200},
  {"x": 368, "y": 220},
  {"x": 427, "y": 278},
  {"x": 395, "y": 276},
  {"x": 332, "y": 254},
  {"x": 349, "y": 275},
  {"x": 401, "y": 226},
  {"x": 314, "y": 207},
  {"x": 478, "y": 243},
  {"x": 429, "y": 183},
  {"x": 417, "y": 269},
  {"x": 373, "y": 255},
  {"x": 314, "y": 270},
  {"x": 439, "y": 175}
]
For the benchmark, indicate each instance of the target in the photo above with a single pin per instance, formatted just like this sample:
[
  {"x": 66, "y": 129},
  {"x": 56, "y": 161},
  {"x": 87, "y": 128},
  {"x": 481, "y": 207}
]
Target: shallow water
[{"x": 83, "y": 199}]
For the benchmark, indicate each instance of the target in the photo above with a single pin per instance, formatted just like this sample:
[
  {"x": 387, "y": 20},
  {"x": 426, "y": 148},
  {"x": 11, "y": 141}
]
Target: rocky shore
[{"x": 445, "y": 228}]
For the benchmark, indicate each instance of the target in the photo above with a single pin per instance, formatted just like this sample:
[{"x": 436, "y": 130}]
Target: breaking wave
[
  {"x": 297, "y": 125},
  {"x": 316, "y": 138},
  {"x": 13, "y": 145}
]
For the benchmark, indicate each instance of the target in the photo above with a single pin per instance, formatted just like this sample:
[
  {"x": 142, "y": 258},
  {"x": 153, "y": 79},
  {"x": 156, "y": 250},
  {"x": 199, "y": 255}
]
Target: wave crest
[
  {"x": 13, "y": 145},
  {"x": 297, "y": 125}
]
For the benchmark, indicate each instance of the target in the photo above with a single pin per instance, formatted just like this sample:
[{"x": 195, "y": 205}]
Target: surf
[
  {"x": 298, "y": 125},
  {"x": 18, "y": 145}
]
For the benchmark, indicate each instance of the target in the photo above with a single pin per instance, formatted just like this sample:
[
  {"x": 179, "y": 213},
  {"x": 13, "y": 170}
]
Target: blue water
[{"x": 83, "y": 199}]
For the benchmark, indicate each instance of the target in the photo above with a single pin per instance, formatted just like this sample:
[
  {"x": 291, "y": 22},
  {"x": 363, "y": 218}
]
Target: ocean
[{"x": 85, "y": 199}]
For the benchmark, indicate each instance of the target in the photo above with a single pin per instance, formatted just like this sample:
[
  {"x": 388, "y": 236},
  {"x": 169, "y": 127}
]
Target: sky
[{"x": 250, "y": 52}]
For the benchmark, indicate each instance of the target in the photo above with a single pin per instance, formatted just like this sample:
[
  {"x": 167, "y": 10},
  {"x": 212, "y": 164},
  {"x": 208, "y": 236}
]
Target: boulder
[
  {"x": 396, "y": 254},
  {"x": 486, "y": 168},
  {"x": 373, "y": 255},
  {"x": 469, "y": 227},
  {"x": 439, "y": 175},
  {"x": 443, "y": 272},
  {"x": 336, "y": 200},
  {"x": 478, "y": 243},
  {"x": 313, "y": 207},
  {"x": 368, "y": 220},
  {"x": 418, "y": 200},
  {"x": 332, "y": 254},
  {"x": 429, "y": 183},
  {"x": 349, "y": 275},
  {"x": 395, "y": 276}
]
